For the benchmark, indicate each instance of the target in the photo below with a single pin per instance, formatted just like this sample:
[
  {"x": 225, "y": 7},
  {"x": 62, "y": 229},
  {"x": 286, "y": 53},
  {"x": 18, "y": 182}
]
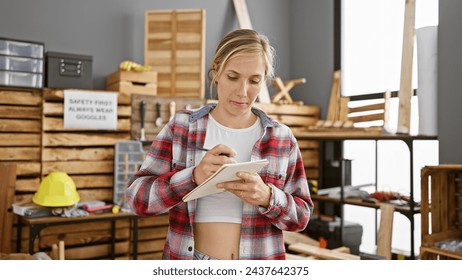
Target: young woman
[{"x": 246, "y": 221}]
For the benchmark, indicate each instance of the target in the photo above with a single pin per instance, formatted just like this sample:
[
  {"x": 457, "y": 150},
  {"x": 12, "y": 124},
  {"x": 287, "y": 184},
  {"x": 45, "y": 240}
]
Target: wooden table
[{"x": 37, "y": 224}]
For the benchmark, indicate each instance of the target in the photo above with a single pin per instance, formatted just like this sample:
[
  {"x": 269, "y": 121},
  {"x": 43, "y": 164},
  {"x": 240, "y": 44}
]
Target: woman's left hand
[{"x": 251, "y": 189}]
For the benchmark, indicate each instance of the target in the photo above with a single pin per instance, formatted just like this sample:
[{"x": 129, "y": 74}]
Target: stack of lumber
[
  {"x": 20, "y": 137},
  {"x": 302, "y": 247}
]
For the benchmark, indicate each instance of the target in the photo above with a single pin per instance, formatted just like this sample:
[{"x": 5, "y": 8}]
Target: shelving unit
[{"x": 340, "y": 136}]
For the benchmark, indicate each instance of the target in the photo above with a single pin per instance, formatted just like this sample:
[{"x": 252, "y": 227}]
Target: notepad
[{"x": 226, "y": 173}]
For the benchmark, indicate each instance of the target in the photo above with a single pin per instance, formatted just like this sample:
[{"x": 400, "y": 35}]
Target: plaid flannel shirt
[{"x": 166, "y": 176}]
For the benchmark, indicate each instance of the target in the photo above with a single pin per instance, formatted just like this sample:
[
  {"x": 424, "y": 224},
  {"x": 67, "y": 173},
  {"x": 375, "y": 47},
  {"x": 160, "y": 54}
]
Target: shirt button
[{"x": 190, "y": 248}]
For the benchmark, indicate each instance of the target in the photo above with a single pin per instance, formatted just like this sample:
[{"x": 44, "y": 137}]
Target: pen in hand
[{"x": 206, "y": 150}]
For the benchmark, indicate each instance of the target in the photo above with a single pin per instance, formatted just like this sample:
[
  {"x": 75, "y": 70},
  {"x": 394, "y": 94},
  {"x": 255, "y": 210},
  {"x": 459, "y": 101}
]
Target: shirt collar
[{"x": 204, "y": 110}]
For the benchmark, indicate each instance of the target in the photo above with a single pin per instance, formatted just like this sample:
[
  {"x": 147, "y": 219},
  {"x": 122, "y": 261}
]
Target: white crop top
[{"x": 225, "y": 206}]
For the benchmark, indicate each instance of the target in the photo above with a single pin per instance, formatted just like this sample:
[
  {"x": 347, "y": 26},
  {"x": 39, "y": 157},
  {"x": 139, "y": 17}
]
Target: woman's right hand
[{"x": 212, "y": 161}]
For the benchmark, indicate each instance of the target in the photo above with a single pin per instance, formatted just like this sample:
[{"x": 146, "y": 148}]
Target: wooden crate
[
  {"x": 88, "y": 157},
  {"x": 298, "y": 118},
  {"x": 441, "y": 209},
  {"x": 151, "y": 112},
  {"x": 131, "y": 82},
  {"x": 20, "y": 145},
  {"x": 152, "y": 232},
  {"x": 175, "y": 48},
  {"x": 20, "y": 133}
]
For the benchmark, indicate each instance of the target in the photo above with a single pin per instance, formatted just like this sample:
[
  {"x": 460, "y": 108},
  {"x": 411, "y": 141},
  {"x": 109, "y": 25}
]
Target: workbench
[{"x": 37, "y": 224}]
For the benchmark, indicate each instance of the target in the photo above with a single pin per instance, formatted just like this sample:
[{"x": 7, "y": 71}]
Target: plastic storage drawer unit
[
  {"x": 21, "y": 48},
  {"x": 21, "y": 64},
  {"x": 21, "y": 79}
]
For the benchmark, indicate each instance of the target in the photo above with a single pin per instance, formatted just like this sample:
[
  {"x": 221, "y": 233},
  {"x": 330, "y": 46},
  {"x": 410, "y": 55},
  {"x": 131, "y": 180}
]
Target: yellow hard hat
[{"x": 57, "y": 189}]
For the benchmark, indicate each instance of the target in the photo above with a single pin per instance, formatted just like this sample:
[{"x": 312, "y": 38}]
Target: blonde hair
[{"x": 241, "y": 41}]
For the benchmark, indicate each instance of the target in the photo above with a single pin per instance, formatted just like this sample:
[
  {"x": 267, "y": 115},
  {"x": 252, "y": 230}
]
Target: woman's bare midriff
[{"x": 218, "y": 240}]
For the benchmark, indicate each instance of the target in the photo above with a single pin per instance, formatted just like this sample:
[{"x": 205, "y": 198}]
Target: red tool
[{"x": 97, "y": 208}]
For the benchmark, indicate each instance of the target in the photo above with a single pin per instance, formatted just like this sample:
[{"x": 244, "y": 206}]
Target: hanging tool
[
  {"x": 159, "y": 118},
  {"x": 172, "y": 107},
  {"x": 143, "y": 114}
]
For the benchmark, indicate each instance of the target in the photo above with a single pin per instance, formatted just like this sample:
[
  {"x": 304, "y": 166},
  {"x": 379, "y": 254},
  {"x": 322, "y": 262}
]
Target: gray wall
[
  {"x": 113, "y": 30},
  {"x": 449, "y": 81},
  {"x": 300, "y": 30}
]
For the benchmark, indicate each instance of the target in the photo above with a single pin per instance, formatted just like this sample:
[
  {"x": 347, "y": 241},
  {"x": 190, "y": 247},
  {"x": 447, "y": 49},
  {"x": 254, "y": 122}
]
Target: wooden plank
[
  {"x": 79, "y": 167},
  {"x": 27, "y": 184},
  {"x": 151, "y": 245},
  {"x": 58, "y": 95},
  {"x": 385, "y": 230},
  {"x": 20, "y": 153},
  {"x": 289, "y": 109},
  {"x": 431, "y": 239},
  {"x": 20, "y": 112},
  {"x": 82, "y": 140},
  {"x": 7, "y": 125},
  {"x": 321, "y": 253},
  {"x": 242, "y": 14},
  {"x": 83, "y": 238},
  {"x": 20, "y": 139},
  {"x": 159, "y": 220},
  {"x": 7, "y": 188},
  {"x": 27, "y": 168},
  {"x": 367, "y": 118},
  {"x": 370, "y": 107},
  {"x": 424, "y": 204},
  {"x": 150, "y": 256},
  {"x": 57, "y": 124},
  {"x": 96, "y": 251},
  {"x": 307, "y": 144},
  {"x": 153, "y": 233},
  {"x": 333, "y": 110},
  {"x": 88, "y": 181},
  {"x": 93, "y": 181},
  {"x": 85, "y": 194},
  {"x": 291, "y": 237},
  {"x": 21, "y": 97},
  {"x": 243, "y": 17},
  {"x": 405, "y": 88},
  {"x": 72, "y": 153}
]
